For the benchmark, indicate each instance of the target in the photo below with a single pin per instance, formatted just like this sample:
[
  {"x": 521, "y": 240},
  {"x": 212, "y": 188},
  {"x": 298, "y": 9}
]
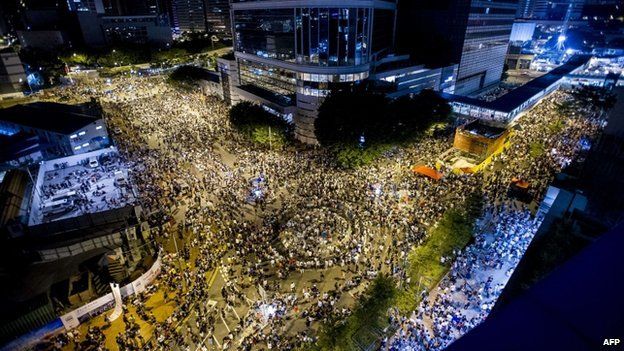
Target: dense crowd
[
  {"x": 314, "y": 217},
  {"x": 466, "y": 295}
]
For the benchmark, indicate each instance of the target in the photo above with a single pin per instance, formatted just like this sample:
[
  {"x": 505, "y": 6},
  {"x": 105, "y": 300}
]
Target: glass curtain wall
[
  {"x": 310, "y": 36},
  {"x": 266, "y": 33}
]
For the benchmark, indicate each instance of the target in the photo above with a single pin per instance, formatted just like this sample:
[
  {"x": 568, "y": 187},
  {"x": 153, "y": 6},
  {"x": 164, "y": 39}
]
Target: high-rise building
[
  {"x": 96, "y": 6},
  {"x": 558, "y": 10},
  {"x": 471, "y": 33},
  {"x": 188, "y": 15},
  {"x": 149, "y": 29},
  {"x": 218, "y": 17},
  {"x": 289, "y": 54},
  {"x": 133, "y": 8},
  {"x": 12, "y": 76},
  {"x": 525, "y": 9}
]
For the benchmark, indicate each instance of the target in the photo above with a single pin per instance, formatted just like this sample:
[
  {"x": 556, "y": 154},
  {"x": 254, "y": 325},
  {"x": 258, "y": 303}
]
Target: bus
[{"x": 57, "y": 207}]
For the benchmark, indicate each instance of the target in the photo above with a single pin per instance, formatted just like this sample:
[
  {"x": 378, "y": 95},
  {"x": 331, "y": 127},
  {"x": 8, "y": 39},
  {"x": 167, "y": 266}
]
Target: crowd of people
[
  {"x": 466, "y": 295},
  {"x": 316, "y": 220},
  {"x": 464, "y": 298}
]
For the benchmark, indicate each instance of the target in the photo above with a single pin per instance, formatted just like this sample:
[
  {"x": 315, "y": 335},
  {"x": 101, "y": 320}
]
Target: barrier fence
[{"x": 85, "y": 312}]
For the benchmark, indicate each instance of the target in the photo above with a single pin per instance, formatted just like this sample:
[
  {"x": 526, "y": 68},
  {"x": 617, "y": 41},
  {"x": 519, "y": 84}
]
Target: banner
[
  {"x": 118, "y": 303},
  {"x": 83, "y": 313}
]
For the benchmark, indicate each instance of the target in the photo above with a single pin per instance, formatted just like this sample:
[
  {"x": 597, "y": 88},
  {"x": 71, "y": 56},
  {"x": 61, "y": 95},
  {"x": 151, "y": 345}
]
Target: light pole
[{"x": 270, "y": 140}]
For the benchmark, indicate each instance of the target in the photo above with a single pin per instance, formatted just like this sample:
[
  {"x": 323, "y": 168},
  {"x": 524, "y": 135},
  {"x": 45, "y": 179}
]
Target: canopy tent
[
  {"x": 522, "y": 184},
  {"x": 427, "y": 172}
]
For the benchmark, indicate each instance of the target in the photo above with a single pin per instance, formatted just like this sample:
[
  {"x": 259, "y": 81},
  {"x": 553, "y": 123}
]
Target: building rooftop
[
  {"x": 544, "y": 318},
  {"x": 51, "y": 116},
  {"x": 516, "y": 97},
  {"x": 477, "y": 128},
  {"x": 87, "y": 183}
]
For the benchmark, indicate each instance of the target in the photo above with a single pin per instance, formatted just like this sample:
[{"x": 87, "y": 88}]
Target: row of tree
[
  {"x": 338, "y": 333},
  {"x": 125, "y": 55}
]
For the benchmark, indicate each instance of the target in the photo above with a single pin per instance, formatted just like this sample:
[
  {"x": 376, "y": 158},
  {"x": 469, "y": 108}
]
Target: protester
[{"x": 311, "y": 218}]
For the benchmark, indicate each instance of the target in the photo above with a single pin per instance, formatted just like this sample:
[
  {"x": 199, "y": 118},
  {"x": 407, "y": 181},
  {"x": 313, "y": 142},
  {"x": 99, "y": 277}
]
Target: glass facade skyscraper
[
  {"x": 471, "y": 33},
  {"x": 188, "y": 15},
  {"x": 290, "y": 54},
  {"x": 218, "y": 17},
  {"x": 485, "y": 44},
  {"x": 311, "y": 36}
]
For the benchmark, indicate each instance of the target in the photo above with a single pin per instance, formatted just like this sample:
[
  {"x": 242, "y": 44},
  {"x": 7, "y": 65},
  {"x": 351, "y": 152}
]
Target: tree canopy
[
  {"x": 259, "y": 125},
  {"x": 595, "y": 97},
  {"x": 347, "y": 116},
  {"x": 339, "y": 334},
  {"x": 187, "y": 76},
  {"x": 452, "y": 232}
]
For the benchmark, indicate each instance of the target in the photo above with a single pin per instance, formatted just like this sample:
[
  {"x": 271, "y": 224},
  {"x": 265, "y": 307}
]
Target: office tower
[
  {"x": 12, "y": 76},
  {"x": 525, "y": 9},
  {"x": 558, "y": 10},
  {"x": 188, "y": 15},
  {"x": 218, "y": 17},
  {"x": 471, "y": 33},
  {"x": 96, "y": 6},
  {"x": 290, "y": 54},
  {"x": 133, "y": 8}
]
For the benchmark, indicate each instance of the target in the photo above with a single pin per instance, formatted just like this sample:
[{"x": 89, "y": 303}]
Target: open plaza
[{"x": 264, "y": 246}]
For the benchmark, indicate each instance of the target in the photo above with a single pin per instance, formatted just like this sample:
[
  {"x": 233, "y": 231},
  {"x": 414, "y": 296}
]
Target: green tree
[
  {"x": 47, "y": 62},
  {"x": 359, "y": 125},
  {"x": 187, "y": 77},
  {"x": 259, "y": 125},
  {"x": 595, "y": 97},
  {"x": 346, "y": 116},
  {"x": 370, "y": 312},
  {"x": 425, "y": 267}
]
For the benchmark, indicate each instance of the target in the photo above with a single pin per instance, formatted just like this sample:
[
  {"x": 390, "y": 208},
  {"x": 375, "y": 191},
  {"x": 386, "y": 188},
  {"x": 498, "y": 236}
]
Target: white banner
[
  {"x": 118, "y": 303},
  {"x": 83, "y": 313}
]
